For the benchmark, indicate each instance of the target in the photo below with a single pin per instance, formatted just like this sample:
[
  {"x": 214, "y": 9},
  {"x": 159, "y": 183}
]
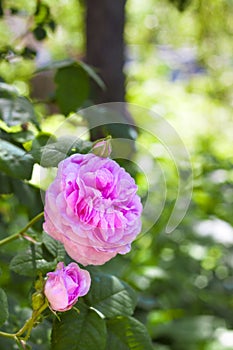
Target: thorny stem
[
  {"x": 27, "y": 327},
  {"x": 22, "y": 231}
]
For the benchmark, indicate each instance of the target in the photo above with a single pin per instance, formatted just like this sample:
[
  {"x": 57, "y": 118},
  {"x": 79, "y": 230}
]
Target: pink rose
[
  {"x": 65, "y": 285},
  {"x": 92, "y": 208}
]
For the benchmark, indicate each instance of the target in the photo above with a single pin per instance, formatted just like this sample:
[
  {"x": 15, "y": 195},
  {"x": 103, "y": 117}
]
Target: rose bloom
[
  {"x": 92, "y": 208},
  {"x": 65, "y": 285}
]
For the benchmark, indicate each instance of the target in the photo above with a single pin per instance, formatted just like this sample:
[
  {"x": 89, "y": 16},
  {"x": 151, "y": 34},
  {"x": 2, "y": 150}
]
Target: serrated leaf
[
  {"x": 126, "y": 333},
  {"x": 42, "y": 139},
  {"x": 4, "y": 307},
  {"x": 29, "y": 263},
  {"x": 72, "y": 88},
  {"x": 38, "y": 144},
  {"x": 52, "y": 245},
  {"x": 16, "y": 110},
  {"x": 79, "y": 331},
  {"x": 51, "y": 154},
  {"x": 14, "y": 161},
  {"x": 111, "y": 296},
  {"x": 54, "y": 152}
]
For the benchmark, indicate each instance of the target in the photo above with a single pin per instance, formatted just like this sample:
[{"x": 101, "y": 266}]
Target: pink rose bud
[
  {"x": 102, "y": 148},
  {"x": 65, "y": 285},
  {"x": 92, "y": 208}
]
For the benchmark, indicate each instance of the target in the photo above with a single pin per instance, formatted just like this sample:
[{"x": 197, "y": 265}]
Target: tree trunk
[{"x": 105, "y": 47}]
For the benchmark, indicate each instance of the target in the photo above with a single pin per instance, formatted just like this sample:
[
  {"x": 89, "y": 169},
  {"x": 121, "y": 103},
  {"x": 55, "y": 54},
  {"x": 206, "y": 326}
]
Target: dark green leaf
[
  {"x": 71, "y": 62},
  {"x": 127, "y": 333},
  {"x": 4, "y": 307},
  {"x": 45, "y": 260},
  {"x": 92, "y": 74},
  {"x": 42, "y": 139},
  {"x": 51, "y": 244},
  {"x": 14, "y": 161},
  {"x": 79, "y": 331},
  {"x": 29, "y": 196},
  {"x": 55, "y": 151},
  {"x": 40, "y": 33},
  {"x": 5, "y": 184},
  {"x": 72, "y": 88},
  {"x": 52, "y": 25},
  {"x": 28, "y": 53},
  {"x": 22, "y": 136},
  {"x": 111, "y": 296},
  {"x": 15, "y": 110}
]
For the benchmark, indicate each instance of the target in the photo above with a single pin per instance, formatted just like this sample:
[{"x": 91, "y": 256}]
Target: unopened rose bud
[
  {"x": 65, "y": 285},
  {"x": 102, "y": 148}
]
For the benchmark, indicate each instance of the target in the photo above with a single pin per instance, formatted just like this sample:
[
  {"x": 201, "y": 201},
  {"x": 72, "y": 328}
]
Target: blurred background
[{"x": 176, "y": 59}]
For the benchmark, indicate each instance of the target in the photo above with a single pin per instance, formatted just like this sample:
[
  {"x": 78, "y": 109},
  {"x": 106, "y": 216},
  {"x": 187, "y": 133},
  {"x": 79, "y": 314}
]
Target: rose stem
[{"x": 22, "y": 231}]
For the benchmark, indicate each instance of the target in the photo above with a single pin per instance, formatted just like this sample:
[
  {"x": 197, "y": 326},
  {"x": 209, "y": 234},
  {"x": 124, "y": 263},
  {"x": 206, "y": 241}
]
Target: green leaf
[
  {"x": 53, "y": 65},
  {"x": 44, "y": 259},
  {"x": 127, "y": 333},
  {"x": 111, "y": 296},
  {"x": 72, "y": 88},
  {"x": 79, "y": 331},
  {"x": 28, "y": 196},
  {"x": 40, "y": 33},
  {"x": 71, "y": 62},
  {"x": 5, "y": 184},
  {"x": 42, "y": 139},
  {"x": 4, "y": 307},
  {"x": 8, "y": 91},
  {"x": 52, "y": 245},
  {"x": 38, "y": 144},
  {"x": 22, "y": 136},
  {"x": 14, "y": 161},
  {"x": 16, "y": 111},
  {"x": 55, "y": 151},
  {"x": 92, "y": 74}
]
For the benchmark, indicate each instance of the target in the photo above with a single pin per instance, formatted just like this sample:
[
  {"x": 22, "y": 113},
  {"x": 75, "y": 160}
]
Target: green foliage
[
  {"x": 183, "y": 281},
  {"x": 49, "y": 151},
  {"x": 4, "y": 307},
  {"x": 72, "y": 88},
  {"x": 127, "y": 333},
  {"x": 41, "y": 258},
  {"x": 111, "y": 296},
  {"x": 14, "y": 161},
  {"x": 15, "y": 109},
  {"x": 79, "y": 330}
]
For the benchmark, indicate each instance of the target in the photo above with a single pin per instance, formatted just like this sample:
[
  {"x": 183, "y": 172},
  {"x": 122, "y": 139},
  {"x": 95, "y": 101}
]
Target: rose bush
[
  {"x": 65, "y": 285},
  {"x": 92, "y": 208}
]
